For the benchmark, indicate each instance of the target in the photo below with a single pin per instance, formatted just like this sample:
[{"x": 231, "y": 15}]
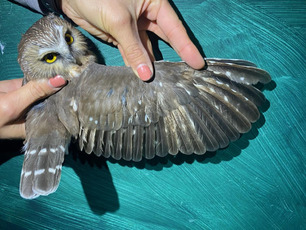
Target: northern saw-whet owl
[{"x": 112, "y": 113}]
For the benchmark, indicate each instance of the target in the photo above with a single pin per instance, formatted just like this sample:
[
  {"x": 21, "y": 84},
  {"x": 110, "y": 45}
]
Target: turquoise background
[{"x": 257, "y": 182}]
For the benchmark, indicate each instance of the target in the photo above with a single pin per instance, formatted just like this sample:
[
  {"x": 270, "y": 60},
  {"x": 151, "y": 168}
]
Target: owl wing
[
  {"x": 45, "y": 147},
  {"x": 113, "y": 113}
]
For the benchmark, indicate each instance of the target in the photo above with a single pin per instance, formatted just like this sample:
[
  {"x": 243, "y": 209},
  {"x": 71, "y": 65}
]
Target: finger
[
  {"x": 177, "y": 36},
  {"x": 123, "y": 55},
  {"x": 147, "y": 44},
  {"x": 13, "y": 131},
  {"x": 35, "y": 90},
  {"x": 146, "y": 24},
  {"x": 10, "y": 85},
  {"x": 134, "y": 52}
]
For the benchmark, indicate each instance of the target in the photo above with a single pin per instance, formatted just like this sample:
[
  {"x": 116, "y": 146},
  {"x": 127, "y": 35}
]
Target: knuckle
[
  {"x": 38, "y": 91},
  {"x": 134, "y": 53},
  {"x": 121, "y": 21},
  {"x": 6, "y": 109},
  {"x": 175, "y": 30}
]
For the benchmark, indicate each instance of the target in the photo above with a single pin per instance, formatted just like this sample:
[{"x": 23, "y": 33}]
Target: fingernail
[
  {"x": 144, "y": 72},
  {"x": 57, "y": 81}
]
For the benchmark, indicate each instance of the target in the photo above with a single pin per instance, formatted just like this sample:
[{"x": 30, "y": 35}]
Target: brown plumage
[{"x": 114, "y": 114}]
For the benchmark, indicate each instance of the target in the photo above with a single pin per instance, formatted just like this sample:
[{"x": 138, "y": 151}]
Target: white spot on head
[{"x": 39, "y": 171}]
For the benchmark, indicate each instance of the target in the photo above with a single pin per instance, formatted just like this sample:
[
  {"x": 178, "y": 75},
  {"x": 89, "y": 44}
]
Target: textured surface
[{"x": 256, "y": 183}]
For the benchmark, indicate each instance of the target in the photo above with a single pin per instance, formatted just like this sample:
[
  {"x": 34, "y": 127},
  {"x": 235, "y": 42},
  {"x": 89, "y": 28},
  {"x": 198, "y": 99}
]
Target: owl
[{"x": 110, "y": 112}]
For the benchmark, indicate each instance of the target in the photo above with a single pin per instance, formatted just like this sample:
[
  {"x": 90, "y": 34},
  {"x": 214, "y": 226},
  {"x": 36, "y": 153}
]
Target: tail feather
[{"x": 42, "y": 167}]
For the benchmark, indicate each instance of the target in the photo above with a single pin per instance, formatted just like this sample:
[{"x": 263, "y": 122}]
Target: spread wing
[{"x": 113, "y": 113}]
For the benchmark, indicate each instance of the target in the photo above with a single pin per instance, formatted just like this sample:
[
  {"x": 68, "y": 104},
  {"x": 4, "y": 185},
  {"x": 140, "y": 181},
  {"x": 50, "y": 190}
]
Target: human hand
[
  {"x": 125, "y": 22},
  {"x": 15, "y": 99}
]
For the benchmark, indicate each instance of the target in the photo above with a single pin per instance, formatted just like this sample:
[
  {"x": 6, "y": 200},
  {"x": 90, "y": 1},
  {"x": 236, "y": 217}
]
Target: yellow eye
[
  {"x": 69, "y": 39},
  {"x": 50, "y": 58}
]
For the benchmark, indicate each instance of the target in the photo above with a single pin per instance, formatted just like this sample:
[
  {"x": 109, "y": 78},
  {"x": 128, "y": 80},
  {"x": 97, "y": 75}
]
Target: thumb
[
  {"x": 35, "y": 90},
  {"x": 14, "y": 103}
]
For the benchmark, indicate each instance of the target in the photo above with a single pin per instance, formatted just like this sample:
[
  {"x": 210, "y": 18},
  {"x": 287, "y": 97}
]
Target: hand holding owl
[
  {"x": 124, "y": 23},
  {"x": 14, "y": 100}
]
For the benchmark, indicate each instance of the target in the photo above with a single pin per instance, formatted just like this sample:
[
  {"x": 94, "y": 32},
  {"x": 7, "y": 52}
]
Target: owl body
[{"x": 113, "y": 113}]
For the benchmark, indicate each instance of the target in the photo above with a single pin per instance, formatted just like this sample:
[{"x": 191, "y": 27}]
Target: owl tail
[{"x": 45, "y": 149}]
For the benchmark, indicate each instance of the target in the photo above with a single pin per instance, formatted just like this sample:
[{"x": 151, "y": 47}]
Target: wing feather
[{"x": 180, "y": 110}]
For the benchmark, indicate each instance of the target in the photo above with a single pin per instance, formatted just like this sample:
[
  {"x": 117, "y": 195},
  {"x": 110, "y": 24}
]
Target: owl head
[{"x": 52, "y": 46}]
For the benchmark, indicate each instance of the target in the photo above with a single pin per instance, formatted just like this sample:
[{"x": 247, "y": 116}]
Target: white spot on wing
[
  {"x": 51, "y": 170},
  {"x": 26, "y": 174},
  {"x": 74, "y": 106},
  {"x": 32, "y": 152},
  {"x": 62, "y": 148},
  {"x": 212, "y": 90},
  {"x": 228, "y": 73},
  {"x": 42, "y": 151},
  {"x": 90, "y": 119},
  {"x": 39, "y": 172},
  {"x": 226, "y": 98},
  {"x": 241, "y": 78},
  {"x": 53, "y": 150},
  {"x": 96, "y": 122}
]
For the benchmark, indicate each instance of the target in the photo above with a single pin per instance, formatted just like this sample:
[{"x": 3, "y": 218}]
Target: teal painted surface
[{"x": 257, "y": 182}]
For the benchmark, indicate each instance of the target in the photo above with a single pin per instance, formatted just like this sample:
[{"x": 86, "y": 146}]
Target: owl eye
[
  {"x": 68, "y": 38},
  {"x": 50, "y": 58}
]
